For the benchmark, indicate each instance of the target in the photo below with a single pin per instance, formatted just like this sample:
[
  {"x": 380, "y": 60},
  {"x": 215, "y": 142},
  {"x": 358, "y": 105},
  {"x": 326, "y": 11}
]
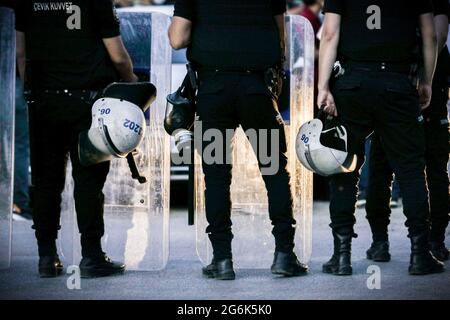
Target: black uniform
[
  {"x": 233, "y": 43},
  {"x": 436, "y": 157},
  {"x": 67, "y": 64},
  {"x": 376, "y": 94}
]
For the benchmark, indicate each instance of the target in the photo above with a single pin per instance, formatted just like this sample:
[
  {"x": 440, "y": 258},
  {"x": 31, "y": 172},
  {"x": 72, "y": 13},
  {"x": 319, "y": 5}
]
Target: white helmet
[
  {"x": 324, "y": 152},
  {"x": 118, "y": 124}
]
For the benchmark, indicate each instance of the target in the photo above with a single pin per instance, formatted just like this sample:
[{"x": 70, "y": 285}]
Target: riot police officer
[
  {"x": 375, "y": 43},
  {"x": 233, "y": 44},
  {"x": 436, "y": 158},
  {"x": 68, "y": 52}
]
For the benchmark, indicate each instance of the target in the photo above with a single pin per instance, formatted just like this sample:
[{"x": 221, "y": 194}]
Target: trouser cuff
[
  {"x": 91, "y": 247},
  {"x": 379, "y": 230},
  {"x": 47, "y": 248},
  {"x": 46, "y": 240},
  {"x": 221, "y": 244},
  {"x": 284, "y": 234}
]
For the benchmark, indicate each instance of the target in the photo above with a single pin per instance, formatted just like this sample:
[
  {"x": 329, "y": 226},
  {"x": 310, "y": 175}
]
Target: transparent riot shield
[
  {"x": 136, "y": 215},
  {"x": 253, "y": 243},
  {"x": 7, "y": 111}
]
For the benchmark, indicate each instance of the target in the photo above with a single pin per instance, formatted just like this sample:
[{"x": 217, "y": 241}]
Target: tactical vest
[{"x": 234, "y": 35}]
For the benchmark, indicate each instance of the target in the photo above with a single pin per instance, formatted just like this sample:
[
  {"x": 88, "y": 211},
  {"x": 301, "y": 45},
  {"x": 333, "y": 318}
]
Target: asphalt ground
[{"x": 182, "y": 278}]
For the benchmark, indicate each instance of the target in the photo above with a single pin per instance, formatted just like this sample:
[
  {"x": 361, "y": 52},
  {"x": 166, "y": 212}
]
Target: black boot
[
  {"x": 379, "y": 251},
  {"x": 340, "y": 263},
  {"x": 326, "y": 267},
  {"x": 439, "y": 251},
  {"x": 50, "y": 266},
  {"x": 287, "y": 264},
  {"x": 220, "y": 269},
  {"x": 100, "y": 266},
  {"x": 422, "y": 261}
]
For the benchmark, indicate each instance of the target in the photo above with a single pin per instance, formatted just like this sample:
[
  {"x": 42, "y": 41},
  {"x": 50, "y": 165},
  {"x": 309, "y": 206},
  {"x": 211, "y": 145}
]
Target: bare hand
[
  {"x": 425, "y": 93},
  {"x": 325, "y": 101}
]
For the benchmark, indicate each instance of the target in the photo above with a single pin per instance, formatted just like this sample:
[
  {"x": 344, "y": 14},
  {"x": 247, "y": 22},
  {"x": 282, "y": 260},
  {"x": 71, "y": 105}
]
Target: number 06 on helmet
[{"x": 324, "y": 152}]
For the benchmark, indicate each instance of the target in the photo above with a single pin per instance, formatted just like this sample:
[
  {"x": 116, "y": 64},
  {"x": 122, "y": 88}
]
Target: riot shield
[
  {"x": 136, "y": 215},
  {"x": 253, "y": 243},
  {"x": 7, "y": 111}
]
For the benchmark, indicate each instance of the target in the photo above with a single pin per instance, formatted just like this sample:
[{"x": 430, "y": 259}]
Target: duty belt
[
  {"x": 209, "y": 71},
  {"x": 87, "y": 95},
  {"x": 380, "y": 66}
]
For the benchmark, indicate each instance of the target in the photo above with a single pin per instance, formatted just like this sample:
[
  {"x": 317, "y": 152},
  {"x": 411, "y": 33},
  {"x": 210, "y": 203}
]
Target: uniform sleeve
[
  {"x": 108, "y": 22},
  {"x": 441, "y": 7},
  {"x": 278, "y": 7},
  {"x": 334, "y": 6},
  {"x": 184, "y": 9},
  {"x": 424, "y": 6}
]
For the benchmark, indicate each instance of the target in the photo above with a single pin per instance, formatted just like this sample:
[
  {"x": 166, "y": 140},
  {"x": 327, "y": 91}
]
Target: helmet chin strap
[
  {"x": 135, "y": 174},
  {"x": 108, "y": 141}
]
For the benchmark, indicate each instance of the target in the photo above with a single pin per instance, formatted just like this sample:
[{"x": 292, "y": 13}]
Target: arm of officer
[
  {"x": 108, "y": 26},
  {"x": 181, "y": 27},
  {"x": 429, "y": 51},
  {"x": 120, "y": 58},
  {"x": 180, "y": 32},
  {"x": 327, "y": 57},
  {"x": 441, "y": 26},
  {"x": 20, "y": 54}
]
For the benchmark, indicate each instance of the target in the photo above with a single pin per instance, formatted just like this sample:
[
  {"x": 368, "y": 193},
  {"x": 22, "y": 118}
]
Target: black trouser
[
  {"x": 226, "y": 100},
  {"x": 388, "y": 104},
  {"x": 436, "y": 158},
  {"x": 378, "y": 191},
  {"x": 55, "y": 123}
]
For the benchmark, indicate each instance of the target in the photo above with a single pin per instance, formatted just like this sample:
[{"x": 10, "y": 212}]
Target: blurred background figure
[
  {"x": 21, "y": 196},
  {"x": 21, "y": 207},
  {"x": 312, "y": 10}
]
